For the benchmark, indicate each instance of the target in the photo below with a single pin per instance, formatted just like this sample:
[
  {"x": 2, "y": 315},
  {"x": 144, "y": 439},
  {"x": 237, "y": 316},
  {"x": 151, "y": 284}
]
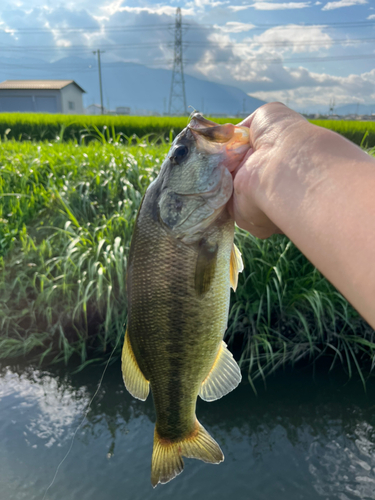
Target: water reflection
[
  {"x": 303, "y": 437},
  {"x": 51, "y": 404}
]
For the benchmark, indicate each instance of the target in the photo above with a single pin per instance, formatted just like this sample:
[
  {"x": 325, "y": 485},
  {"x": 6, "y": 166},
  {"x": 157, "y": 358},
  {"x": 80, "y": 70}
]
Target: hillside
[{"x": 133, "y": 85}]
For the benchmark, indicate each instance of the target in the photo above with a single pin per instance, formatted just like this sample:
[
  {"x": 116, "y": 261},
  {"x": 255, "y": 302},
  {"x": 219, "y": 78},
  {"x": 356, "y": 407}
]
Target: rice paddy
[
  {"x": 40, "y": 127},
  {"x": 66, "y": 216},
  {"x": 81, "y": 128}
]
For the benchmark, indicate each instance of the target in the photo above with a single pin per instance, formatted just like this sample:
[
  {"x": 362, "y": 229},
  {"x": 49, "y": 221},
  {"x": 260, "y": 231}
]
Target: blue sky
[{"x": 304, "y": 53}]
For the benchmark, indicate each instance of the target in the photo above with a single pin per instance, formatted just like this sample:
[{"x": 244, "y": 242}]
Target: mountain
[
  {"x": 134, "y": 85},
  {"x": 354, "y": 108}
]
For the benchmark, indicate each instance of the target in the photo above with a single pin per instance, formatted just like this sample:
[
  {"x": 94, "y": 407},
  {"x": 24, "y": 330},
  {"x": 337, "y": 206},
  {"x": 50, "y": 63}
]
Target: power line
[
  {"x": 138, "y": 27},
  {"x": 289, "y": 60},
  {"x": 113, "y": 46},
  {"x": 191, "y": 26},
  {"x": 164, "y": 64},
  {"x": 280, "y": 43},
  {"x": 148, "y": 45}
]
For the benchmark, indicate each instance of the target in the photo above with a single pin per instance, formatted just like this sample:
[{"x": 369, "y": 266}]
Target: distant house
[
  {"x": 122, "y": 110},
  {"x": 41, "y": 96},
  {"x": 95, "y": 109}
]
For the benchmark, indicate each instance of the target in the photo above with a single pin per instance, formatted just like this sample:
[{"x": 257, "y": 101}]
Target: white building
[
  {"x": 123, "y": 110},
  {"x": 95, "y": 109},
  {"x": 41, "y": 96}
]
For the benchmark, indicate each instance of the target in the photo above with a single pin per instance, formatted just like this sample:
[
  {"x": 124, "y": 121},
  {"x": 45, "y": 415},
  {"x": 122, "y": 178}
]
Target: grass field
[
  {"x": 361, "y": 133},
  {"x": 39, "y": 127},
  {"x": 82, "y": 128},
  {"x": 66, "y": 219}
]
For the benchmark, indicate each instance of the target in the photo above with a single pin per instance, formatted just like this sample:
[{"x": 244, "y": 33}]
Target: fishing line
[{"x": 84, "y": 418}]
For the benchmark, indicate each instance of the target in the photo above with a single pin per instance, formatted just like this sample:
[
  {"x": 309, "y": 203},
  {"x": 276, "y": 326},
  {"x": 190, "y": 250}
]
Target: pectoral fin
[
  {"x": 236, "y": 266},
  {"x": 134, "y": 379},
  {"x": 206, "y": 266},
  {"x": 225, "y": 375}
]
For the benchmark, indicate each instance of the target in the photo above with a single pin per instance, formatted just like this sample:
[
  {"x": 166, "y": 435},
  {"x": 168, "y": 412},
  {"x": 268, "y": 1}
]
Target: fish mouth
[
  {"x": 230, "y": 140},
  {"x": 199, "y": 121}
]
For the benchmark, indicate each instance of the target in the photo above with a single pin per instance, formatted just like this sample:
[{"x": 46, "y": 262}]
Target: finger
[
  {"x": 245, "y": 158},
  {"x": 247, "y": 121},
  {"x": 249, "y": 217}
]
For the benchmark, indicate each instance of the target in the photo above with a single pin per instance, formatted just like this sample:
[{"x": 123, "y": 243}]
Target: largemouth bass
[{"x": 182, "y": 262}]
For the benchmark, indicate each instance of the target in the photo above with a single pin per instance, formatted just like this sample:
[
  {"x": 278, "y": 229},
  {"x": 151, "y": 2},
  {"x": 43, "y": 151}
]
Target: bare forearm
[{"x": 324, "y": 202}]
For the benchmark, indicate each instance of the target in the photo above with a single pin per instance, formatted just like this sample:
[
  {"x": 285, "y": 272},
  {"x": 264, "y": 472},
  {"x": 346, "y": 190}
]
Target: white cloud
[
  {"x": 291, "y": 38},
  {"x": 235, "y": 27},
  {"x": 237, "y": 8},
  {"x": 280, "y": 6},
  {"x": 257, "y": 68},
  {"x": 352, "y": 88},
  {"x": 201, "y": 4},
  {"x": 117, "y": 6},
  {"x": 343, "y": 3},
  {"x": 318, "y": 3},
  {"x": 371, "y": 17}
]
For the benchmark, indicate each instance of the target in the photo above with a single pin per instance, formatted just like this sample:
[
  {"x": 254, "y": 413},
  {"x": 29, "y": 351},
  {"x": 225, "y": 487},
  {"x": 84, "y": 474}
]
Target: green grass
[
  {"x": 285, "y": 311},
  {"x": 64, "y": 238},
  {"x": 66, "y": 219},
  {"x": 37, "y": 126},
  {"x": 361, "y": 133}
]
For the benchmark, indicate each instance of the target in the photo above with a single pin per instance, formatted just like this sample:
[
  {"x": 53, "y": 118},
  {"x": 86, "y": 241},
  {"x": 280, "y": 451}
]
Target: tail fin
[{"x": 167, "y": 460}]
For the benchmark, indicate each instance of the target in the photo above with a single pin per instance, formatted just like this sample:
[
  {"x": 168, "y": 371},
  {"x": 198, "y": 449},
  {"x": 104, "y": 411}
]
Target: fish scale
[{"x": 182, "y": 262}]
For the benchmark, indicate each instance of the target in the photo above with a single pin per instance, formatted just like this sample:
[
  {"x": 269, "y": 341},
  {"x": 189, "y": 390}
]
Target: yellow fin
[
  {"x": 236, "y": 266},
  {"x": 134, "y": 379},
  {"x": 225, "y": 375},
  {"x": 167, "y": 455}
]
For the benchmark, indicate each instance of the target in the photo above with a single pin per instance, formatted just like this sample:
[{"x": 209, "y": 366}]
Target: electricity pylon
[{"x": 177, "y": 97}]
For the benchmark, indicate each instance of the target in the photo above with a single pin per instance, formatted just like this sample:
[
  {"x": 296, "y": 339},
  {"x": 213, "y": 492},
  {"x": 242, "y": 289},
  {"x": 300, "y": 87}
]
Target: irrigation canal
[{"x": 306, "y": 436}]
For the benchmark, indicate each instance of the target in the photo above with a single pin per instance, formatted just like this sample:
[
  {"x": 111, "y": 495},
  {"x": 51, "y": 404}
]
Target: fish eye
[{"x": 178, "y": 154}]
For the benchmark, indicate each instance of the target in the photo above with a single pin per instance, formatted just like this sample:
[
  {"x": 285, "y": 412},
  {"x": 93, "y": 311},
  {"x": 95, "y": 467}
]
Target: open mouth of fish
[{"x": 233, "y": 141}]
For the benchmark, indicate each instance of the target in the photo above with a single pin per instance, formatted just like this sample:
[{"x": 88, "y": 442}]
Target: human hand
[
  {"x": 317, "y": 188},
  {"x": 277, "y": 135}
]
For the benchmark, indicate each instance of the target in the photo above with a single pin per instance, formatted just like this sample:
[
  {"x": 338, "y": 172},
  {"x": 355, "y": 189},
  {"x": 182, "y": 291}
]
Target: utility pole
[
  {"x": 177, "y": 97},
  {"x": 332, "y": 106},
  {"x": 100, "y": 79}
]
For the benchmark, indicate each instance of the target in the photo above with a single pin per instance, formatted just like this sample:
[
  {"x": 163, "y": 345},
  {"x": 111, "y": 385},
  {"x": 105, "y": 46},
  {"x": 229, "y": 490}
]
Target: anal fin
[
  {"x": 134, "y": 380},
  {"x": 236, "y": 266},
  {"x": 225, "y": 375}
]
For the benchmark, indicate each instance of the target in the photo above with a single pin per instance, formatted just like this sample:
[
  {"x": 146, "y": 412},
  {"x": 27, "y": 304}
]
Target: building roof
[{"x": 37, "y": 84}]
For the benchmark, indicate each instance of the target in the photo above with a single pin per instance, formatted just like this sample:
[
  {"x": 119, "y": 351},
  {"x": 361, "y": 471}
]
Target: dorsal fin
[
  {"x": 236, "y": 266},
  {"x": 225, "y": 375},
  {"x": 134, "y": 379}
]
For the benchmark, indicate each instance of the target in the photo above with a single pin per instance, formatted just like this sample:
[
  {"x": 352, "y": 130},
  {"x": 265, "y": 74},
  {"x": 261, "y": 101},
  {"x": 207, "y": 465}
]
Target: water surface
[{"x": 304, "y": 437}]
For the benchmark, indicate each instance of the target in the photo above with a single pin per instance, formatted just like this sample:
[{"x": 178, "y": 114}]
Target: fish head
[{"x": 195, "y": 180}]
